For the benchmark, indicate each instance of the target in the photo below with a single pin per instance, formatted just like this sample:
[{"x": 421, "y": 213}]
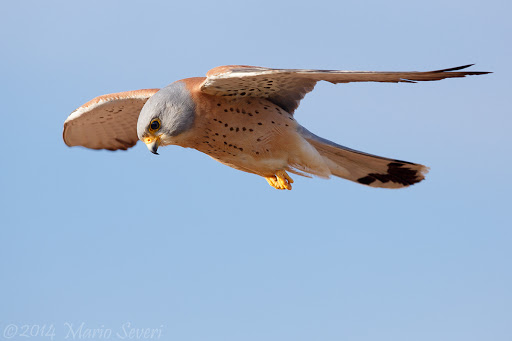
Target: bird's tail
[{"x": 366, "y": 169}]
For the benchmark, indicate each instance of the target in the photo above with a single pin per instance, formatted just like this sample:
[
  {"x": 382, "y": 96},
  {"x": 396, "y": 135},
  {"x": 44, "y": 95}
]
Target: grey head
[{"x": 166, "y": 114}]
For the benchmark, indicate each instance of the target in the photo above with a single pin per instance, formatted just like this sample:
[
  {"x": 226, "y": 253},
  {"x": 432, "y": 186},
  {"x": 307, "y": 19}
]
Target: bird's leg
[{"x": 281, "y": 180}]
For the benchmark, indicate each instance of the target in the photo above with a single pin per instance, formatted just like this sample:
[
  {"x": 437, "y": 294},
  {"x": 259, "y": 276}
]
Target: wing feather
[
  {"x": 286, "y": 87},
  {"x": 107, "y": 122}
]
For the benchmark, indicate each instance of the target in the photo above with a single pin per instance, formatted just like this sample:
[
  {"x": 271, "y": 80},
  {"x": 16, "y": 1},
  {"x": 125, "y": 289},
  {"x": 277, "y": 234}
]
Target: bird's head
[{"x": 165, "y": 115}]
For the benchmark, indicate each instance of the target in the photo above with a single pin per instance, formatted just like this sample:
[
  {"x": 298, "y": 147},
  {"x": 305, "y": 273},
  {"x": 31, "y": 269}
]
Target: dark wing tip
[
  {"x": 462, "y": 68},
  {"x": 454, "y": 68},
  {"x": 441, "y": 74}
]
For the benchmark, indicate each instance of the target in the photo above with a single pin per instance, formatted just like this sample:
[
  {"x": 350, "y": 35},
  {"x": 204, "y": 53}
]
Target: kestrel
[{"x": 243, "y": 117}]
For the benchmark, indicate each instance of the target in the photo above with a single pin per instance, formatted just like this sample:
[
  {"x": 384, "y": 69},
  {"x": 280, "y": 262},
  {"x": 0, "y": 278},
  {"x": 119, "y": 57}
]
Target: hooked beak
[{"x": 152, "y": 142}]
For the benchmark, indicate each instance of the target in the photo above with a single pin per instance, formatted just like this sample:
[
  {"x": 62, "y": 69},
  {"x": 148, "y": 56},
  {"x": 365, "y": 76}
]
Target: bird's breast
[{"x": 240, "y": 132}]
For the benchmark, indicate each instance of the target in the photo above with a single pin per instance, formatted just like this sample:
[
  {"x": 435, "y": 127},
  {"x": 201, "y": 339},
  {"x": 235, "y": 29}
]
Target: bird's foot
[{"x": 281, "y": 180}]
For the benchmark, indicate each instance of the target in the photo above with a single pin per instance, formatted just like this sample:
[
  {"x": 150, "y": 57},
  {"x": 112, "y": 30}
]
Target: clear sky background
[{"x": 205, "y": 252}]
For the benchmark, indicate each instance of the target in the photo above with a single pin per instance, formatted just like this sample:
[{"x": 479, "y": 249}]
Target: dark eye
[{"x": 154, "y": 125}]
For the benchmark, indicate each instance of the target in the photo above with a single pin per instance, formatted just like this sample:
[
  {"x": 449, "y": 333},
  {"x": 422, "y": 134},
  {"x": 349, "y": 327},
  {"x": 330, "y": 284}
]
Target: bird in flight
[{"x": 243, "y": 117}]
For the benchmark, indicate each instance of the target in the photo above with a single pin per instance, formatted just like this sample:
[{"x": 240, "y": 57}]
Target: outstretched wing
[
  {"x": 107, "y": 122},
  {"x": 286, "y": 87}
]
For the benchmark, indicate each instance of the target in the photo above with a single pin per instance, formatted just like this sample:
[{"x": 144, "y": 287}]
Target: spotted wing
[
  {"x": 286, "y": 87},
  {"x": 107, "y": 122}
]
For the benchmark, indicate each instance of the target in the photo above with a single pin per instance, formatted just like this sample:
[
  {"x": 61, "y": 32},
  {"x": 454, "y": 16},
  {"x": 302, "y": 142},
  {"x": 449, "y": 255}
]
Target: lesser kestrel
[{"x": 243, "y": 117}]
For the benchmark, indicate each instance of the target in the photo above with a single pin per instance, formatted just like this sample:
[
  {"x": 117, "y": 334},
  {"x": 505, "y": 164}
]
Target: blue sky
[{"x": 201, "y": 251}]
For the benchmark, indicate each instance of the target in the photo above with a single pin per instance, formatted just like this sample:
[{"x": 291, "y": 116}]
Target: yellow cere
[{"x": 150, "y": 139}]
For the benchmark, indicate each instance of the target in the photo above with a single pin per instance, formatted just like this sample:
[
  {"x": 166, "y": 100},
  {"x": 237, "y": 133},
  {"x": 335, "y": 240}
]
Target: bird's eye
[{"x": 154, "y": 125}]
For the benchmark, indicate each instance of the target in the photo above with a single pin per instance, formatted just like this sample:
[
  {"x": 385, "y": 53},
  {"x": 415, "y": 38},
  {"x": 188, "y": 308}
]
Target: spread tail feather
[{"x": 366, "y": 169}]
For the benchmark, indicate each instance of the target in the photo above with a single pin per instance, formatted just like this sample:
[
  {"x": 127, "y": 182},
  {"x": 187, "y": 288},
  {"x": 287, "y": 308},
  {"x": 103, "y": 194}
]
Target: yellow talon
[
  {"x": 272, "y": 181},
  {"x": 281, "y": 180}
]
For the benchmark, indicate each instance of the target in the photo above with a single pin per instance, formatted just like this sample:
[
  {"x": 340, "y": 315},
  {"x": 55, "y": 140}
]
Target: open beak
[{"x": 152, "y": 142}]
